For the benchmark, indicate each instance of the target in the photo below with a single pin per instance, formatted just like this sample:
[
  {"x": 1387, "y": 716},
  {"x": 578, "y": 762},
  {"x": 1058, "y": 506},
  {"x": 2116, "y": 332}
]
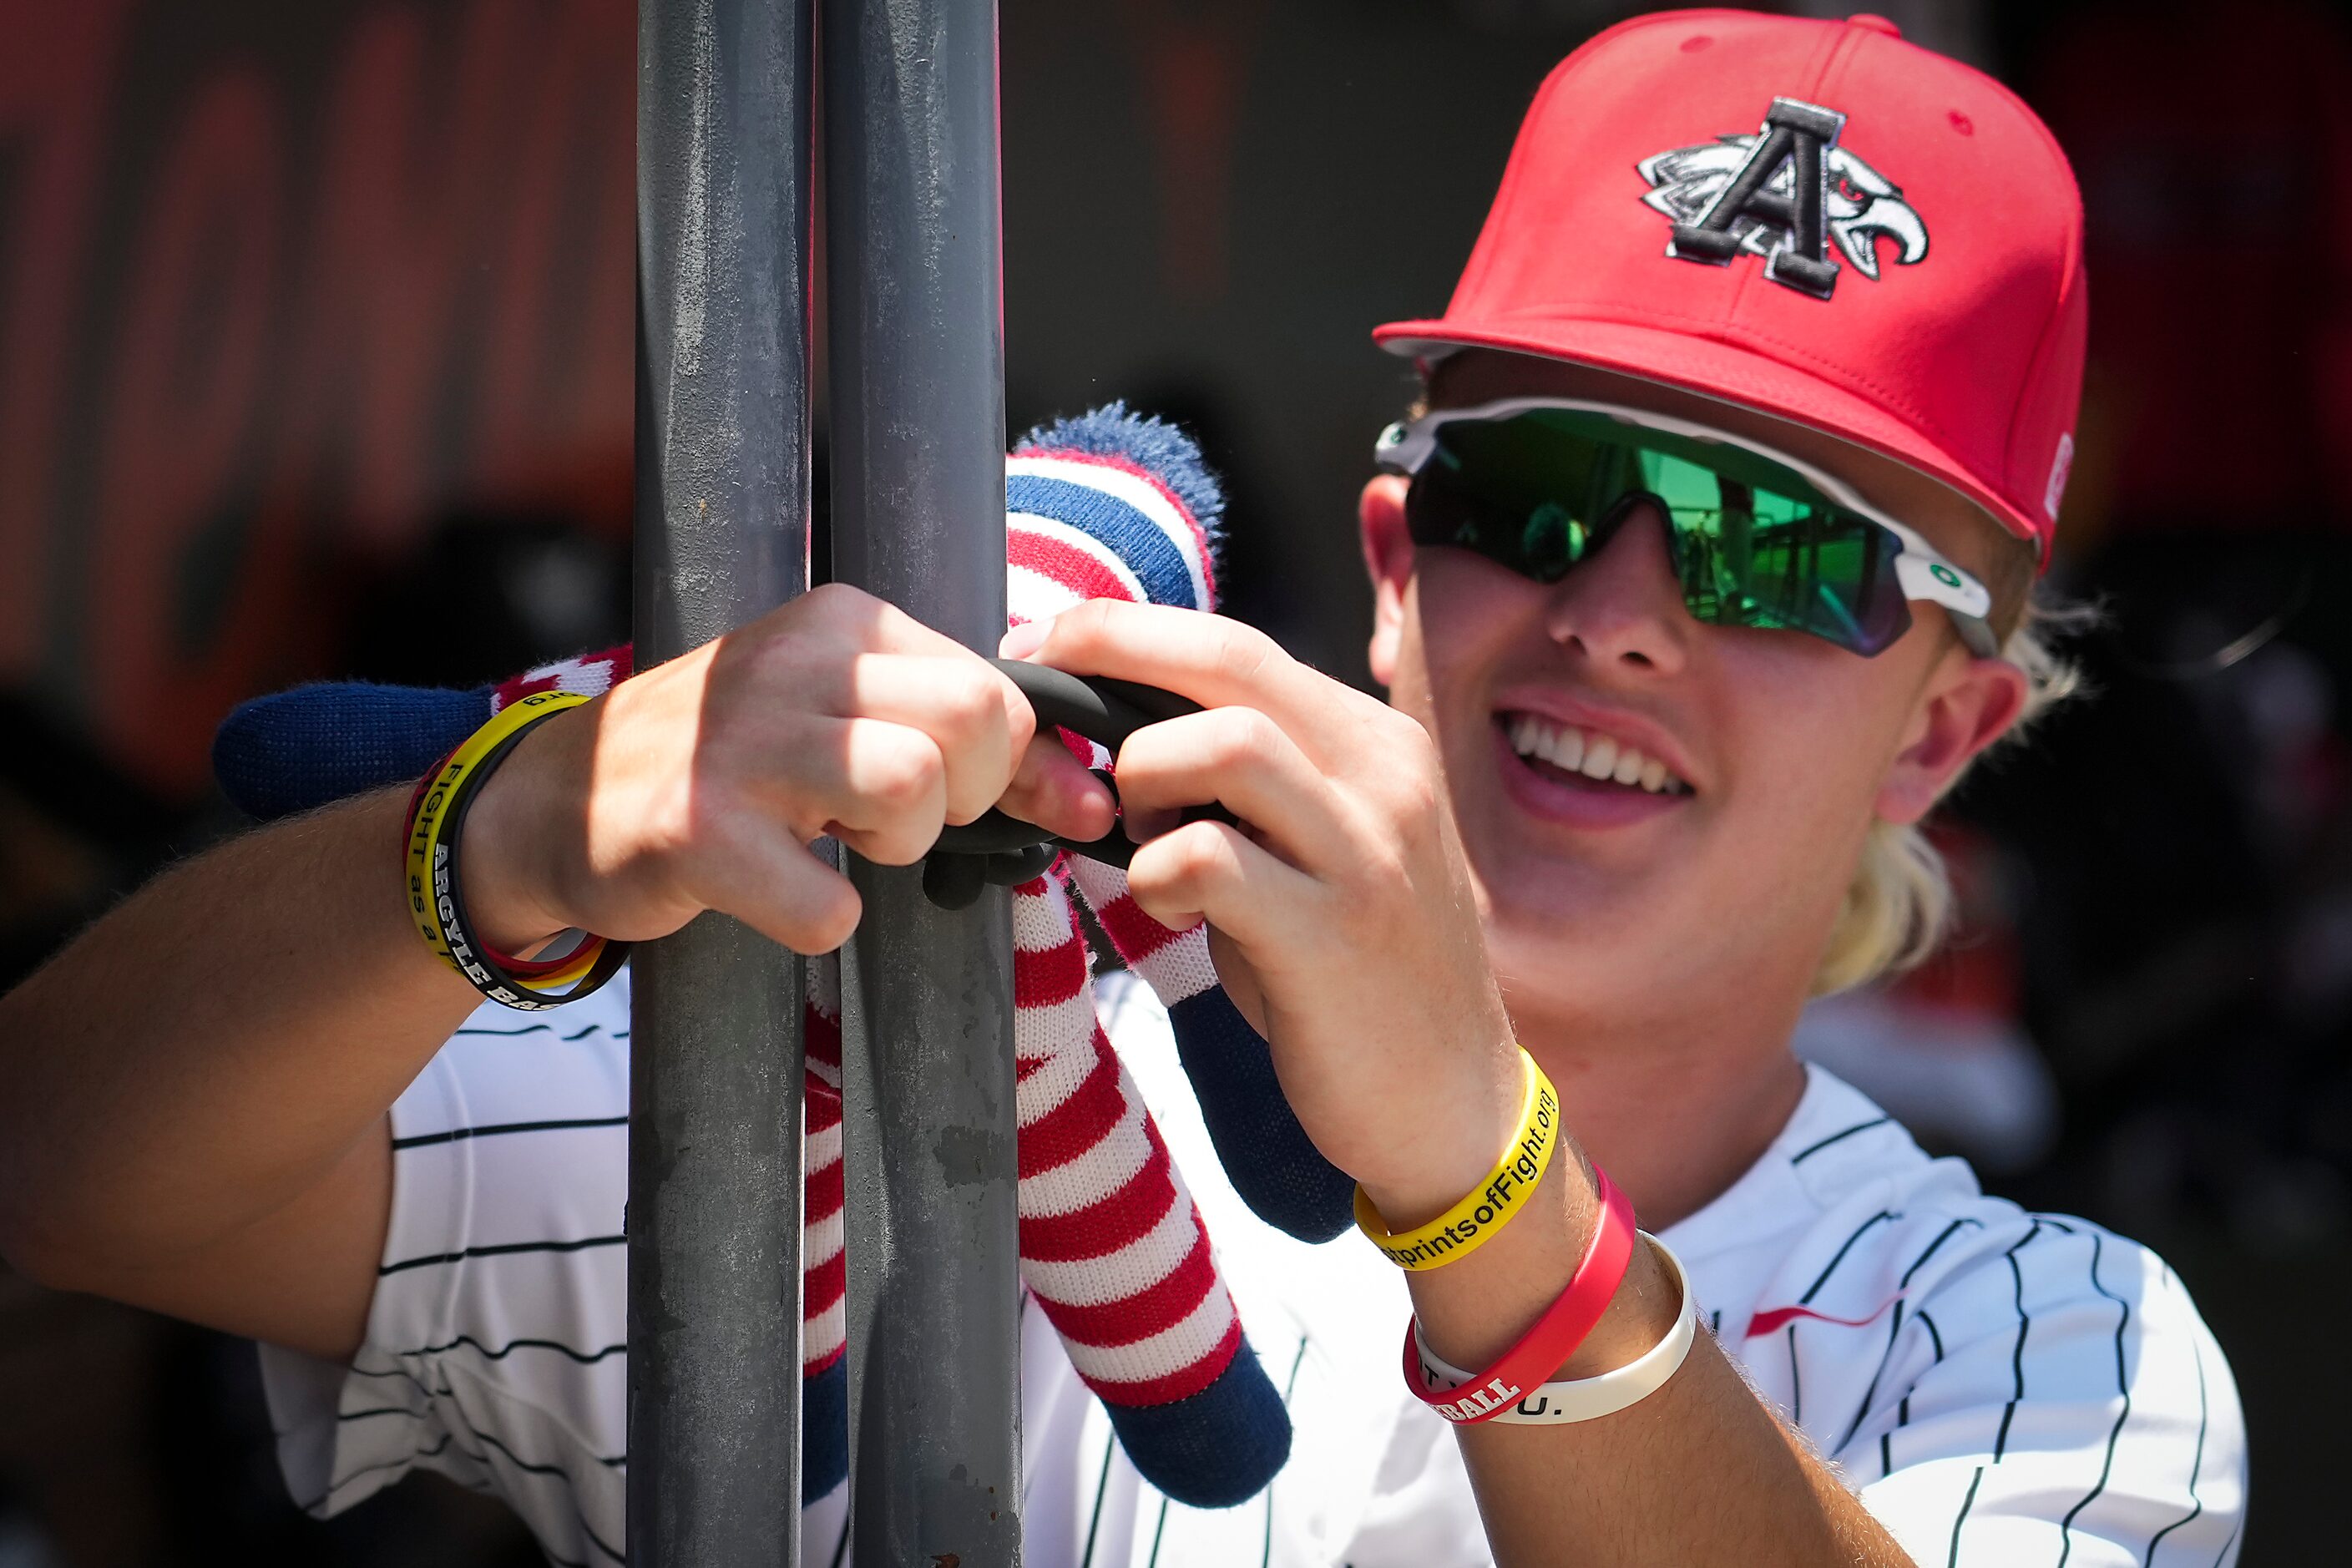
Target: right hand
[{"x": 700, "y": 784}]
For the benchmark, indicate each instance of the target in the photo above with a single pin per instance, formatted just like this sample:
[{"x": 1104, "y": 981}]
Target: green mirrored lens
[{"x": 1754, "y": 543}]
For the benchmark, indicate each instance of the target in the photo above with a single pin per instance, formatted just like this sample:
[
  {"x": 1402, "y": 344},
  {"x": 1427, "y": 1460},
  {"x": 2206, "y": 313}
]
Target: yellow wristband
[
  {"x": 431, "y": 899},
  {"x": 1464, "y": 1228}
]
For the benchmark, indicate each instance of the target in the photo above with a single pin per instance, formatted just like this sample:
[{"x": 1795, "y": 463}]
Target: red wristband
[{"x": 1564, "y": 1325}]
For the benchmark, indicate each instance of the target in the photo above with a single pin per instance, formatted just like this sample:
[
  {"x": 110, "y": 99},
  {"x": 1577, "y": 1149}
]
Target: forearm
[
  {"x": 1698, "y": 1472},
  {"x": 215, "y": 1045}
]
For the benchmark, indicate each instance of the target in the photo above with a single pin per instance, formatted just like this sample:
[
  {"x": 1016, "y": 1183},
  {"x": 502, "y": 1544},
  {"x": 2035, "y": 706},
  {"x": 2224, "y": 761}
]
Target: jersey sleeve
[
  {"x": 2053, "y": 1397},
  {"x": 497, "y": 1343}
]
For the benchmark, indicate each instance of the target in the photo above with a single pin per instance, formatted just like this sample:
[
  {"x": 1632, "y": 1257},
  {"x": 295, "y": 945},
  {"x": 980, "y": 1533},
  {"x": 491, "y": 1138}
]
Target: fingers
[
  {"x": 1240, "y": 759},
  {"x": 1214, "y": 661},
  {"x": 1052, "y": 789},
  {"x": 883, "y": 787},
  {"x": 1210, "y": 870},
  {"x": 853, "y": 616},
  {"x": 977, "y": 721},
  {"x": 779, "y": 889}
]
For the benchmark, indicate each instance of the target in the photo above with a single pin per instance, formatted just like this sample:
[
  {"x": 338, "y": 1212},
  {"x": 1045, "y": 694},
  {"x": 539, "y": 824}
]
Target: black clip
[{"x": 1004, "y": 851}]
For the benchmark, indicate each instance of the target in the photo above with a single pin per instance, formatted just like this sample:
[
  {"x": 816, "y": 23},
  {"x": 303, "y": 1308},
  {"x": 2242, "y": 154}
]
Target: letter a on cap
[{"x": 1800, "y": 136}]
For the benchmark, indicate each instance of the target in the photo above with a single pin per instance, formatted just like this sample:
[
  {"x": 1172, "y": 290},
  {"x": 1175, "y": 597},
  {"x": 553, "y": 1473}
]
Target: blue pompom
[{"x": 1146, "y": 441}]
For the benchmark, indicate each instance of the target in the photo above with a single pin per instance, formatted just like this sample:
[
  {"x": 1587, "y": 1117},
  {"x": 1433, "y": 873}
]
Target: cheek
[
  {"x": 1812, "y": 731},
  {"x": 1462, "y": 615}
]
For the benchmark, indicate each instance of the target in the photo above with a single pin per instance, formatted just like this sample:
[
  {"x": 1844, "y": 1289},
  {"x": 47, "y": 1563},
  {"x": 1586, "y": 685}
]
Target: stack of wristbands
[{"x": 1518, "y": 1389}]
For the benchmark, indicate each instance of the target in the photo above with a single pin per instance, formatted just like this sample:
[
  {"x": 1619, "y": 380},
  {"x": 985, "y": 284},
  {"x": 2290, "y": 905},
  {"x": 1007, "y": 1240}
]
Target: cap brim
[{"x": 1712, "y": 369}]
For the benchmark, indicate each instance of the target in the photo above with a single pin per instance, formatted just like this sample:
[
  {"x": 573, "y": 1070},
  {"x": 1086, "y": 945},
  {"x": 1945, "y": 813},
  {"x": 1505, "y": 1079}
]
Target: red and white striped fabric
[
  {"x": 1174, "y": 963},
  {"x": 589, "y": 675},
  {"x": 1111, "y": 1246},
  {"x": 825, "y": 1280}
]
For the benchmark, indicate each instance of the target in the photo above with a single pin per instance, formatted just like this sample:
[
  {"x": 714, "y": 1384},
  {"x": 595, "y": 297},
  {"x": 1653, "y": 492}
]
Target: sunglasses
[{"x": 1759, "y": 538}]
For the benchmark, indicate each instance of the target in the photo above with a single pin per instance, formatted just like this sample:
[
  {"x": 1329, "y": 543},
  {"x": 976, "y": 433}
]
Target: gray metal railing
[
  {"x": 724, "y": 179},
  {"x": 918, "y": 427},
  {"x": 916, "y": 387}
]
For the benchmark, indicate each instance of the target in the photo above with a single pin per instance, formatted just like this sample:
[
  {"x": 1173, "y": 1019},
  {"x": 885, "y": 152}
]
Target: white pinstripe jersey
[{"x": 2000, "y": 1387}]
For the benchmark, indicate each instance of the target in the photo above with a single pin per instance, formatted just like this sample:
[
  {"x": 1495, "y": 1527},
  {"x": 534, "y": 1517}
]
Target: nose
[{"x": 1623, "y": 605}]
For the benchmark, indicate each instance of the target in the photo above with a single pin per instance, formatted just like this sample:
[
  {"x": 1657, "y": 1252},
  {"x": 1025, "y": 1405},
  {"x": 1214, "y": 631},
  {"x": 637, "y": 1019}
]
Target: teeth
[{"x": 1598, "y": 757}]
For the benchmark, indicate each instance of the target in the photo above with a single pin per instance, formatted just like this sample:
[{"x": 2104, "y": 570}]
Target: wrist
[
  {"x": 509, "y": 897},
  {"x": 1643, "y": 1311},
  {"x": 1449, "y": 1146}
]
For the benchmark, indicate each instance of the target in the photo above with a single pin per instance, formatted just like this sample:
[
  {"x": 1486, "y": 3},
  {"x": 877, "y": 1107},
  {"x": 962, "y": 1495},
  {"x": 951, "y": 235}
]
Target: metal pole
[
  {"x": 917, "y": 399},
  {"x": 724, "y": 172}
]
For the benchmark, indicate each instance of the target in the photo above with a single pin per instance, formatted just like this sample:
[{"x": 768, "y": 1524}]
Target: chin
[{"x": 1572, "y": 931}]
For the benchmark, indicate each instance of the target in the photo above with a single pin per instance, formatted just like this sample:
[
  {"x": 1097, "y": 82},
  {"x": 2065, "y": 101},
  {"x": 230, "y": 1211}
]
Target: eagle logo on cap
[{"x": 1783, "y": 194}]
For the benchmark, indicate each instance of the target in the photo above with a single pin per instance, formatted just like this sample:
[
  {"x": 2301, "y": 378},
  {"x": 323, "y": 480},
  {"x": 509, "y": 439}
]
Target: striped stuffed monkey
[{"x": 1108, "y": 505}]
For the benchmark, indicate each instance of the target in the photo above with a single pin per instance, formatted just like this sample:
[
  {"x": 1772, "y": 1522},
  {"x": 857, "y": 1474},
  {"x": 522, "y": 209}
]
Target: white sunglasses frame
[{"x": 1925, "y": 576}]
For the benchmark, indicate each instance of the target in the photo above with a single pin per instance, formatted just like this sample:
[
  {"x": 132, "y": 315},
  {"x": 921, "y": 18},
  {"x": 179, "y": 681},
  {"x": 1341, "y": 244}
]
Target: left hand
[{"x": 1341, "y": 914}]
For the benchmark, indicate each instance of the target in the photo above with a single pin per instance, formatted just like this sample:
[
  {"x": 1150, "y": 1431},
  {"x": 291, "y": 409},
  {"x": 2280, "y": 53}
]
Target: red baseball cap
[{"x": 1812, "y": 219}]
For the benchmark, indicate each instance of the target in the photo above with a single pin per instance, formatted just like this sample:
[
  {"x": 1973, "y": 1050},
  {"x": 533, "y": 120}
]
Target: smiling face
[{"x": 1663, "y": 817}]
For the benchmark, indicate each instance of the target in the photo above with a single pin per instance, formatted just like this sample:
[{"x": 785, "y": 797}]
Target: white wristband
[{"x": 1589, "y": 1398}]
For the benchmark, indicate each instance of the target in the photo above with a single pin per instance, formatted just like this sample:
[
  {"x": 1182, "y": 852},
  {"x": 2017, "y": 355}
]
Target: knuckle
[
  {"x": 829, "y": 600},
  {"x": 1258, "y": 732},
  {"x": 1084, "y": 620},
  {"x": 1200, "y": 851},
  {"x": 1244, "y": 652},
  {"x": 1236, "y": 734},
  {"x": 904, "y": 777},
  {"x": 1418, "y": 799},
  {"x": 971, "y": 700}
]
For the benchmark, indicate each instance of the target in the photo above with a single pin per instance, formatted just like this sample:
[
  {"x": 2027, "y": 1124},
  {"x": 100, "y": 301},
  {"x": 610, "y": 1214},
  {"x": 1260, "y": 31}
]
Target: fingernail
[{"x": 1025, "y": 640}]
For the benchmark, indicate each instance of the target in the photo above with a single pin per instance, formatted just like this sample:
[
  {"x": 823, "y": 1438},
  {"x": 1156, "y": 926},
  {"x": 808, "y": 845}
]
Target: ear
[
  {"x": 1388, "y": 561},
  {"x": 1966, "y": 705}
]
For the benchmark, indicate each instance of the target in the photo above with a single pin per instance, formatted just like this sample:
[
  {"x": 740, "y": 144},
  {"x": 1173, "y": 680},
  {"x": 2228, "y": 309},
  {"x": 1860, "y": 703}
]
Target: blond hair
[{"x": 1899, "y": 908}]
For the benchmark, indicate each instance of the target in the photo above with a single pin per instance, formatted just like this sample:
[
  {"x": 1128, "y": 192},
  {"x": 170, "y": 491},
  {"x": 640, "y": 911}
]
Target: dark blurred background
[{"x": 315, "y": 358}]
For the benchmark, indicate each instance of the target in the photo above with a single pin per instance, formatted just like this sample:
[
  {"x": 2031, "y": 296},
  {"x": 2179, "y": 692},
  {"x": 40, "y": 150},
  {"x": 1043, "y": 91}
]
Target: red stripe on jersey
[
  {"x": 1779, "y": 1317},
  {"x": 1176, "y": 1385},
  {"x": 1152, "y": 1310}
]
